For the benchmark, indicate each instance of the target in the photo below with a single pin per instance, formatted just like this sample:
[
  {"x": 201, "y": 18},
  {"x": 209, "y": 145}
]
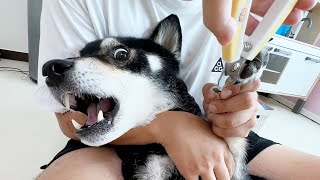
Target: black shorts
[{"x": 256, "y": 145}]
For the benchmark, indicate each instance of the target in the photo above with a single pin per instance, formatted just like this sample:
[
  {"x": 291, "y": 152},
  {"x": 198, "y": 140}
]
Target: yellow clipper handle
[{"x": 240, "y": 12}]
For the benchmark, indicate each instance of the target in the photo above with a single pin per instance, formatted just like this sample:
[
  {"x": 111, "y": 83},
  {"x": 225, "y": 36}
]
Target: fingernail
[
  {"x": 224, "y": 40},
  {"x": 212, "y": 108},
  {"x": 216, "y": 89},
  {"x": 226, "y": 93}
]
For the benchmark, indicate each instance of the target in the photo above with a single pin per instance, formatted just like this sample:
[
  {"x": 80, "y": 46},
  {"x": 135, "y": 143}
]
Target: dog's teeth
[
  {"x": 76, "y": 124},
  {"x": 82, "y": 96},
  {"x": 66, "y": 100},
  {"x": 100, "y": 116},
  {"x": 109, "y": 122}
]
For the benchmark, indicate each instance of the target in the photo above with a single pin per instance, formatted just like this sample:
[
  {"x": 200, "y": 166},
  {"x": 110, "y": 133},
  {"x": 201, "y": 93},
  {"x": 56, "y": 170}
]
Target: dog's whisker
[{"x": 40, "y": 88}]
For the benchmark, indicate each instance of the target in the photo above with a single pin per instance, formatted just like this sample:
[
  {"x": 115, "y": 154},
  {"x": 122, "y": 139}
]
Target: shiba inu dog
[{"x": 124, "y": 82}]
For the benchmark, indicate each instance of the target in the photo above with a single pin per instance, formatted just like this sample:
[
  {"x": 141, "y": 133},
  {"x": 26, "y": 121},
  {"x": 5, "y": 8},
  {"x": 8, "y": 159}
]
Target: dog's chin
[
  {"x": 100, "y": 134},
  {"x": 101, "y": 112}
]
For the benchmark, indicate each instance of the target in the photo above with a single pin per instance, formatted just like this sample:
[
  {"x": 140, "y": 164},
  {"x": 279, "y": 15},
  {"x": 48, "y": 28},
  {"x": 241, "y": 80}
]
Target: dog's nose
[
  {"x": 55, "y": 71},
  {"x": 56, "y": 67}
]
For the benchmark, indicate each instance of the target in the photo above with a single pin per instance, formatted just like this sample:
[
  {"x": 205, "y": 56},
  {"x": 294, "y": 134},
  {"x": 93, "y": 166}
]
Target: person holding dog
[{"x": 68, "y": 25}]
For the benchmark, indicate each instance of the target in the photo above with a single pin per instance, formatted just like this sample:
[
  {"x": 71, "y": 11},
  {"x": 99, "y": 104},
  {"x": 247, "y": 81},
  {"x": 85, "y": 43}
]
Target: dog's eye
[{"x": 120, "y": 54}]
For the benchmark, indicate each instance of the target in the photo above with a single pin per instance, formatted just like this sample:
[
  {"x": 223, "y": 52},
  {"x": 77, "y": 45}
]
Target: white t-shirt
[{"x": 67, "y": 25}]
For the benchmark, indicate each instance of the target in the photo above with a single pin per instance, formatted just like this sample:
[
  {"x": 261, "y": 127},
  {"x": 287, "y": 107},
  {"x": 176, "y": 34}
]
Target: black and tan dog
[{"x": 124, "y": 82}]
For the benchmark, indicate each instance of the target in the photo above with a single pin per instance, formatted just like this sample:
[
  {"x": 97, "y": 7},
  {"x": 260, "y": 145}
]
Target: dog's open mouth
[{"x": 97, "y": 109}]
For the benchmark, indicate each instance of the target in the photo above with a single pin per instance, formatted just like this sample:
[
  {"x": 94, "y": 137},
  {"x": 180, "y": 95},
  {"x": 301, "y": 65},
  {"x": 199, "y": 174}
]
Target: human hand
[
  {"x": 233, "y": 111},
  {"x": 194, "y": 149},
  {"x": 217, "y": 16},
  {"x": 65, "y": 122}
]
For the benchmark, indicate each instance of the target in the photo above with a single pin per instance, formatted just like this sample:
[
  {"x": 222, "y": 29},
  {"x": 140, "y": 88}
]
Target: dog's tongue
[
  {"x": 104, "y": 105},
  {"x": 93, "y": 110},
  {"x": 92, "y": 114}
]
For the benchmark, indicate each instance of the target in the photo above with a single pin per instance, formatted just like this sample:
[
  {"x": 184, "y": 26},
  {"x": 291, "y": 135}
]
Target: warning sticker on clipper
[{"x": 243, "y": 15}]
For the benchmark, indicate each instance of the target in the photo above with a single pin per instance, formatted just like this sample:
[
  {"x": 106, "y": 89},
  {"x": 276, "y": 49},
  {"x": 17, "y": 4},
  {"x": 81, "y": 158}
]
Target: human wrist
[
  {"x": 157, "y": 129},
  {"x": 160, "y": 129},
  {"x": 154, "y": 132}
]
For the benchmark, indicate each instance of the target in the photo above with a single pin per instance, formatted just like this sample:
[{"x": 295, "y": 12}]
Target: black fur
[
  {"x": 133, "y": 157},
  {"x": 167, "y": 78}
]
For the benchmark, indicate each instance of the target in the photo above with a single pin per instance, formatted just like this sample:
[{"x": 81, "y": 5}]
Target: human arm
[
  {"x": 188, "y": 139},
  {"x": 290, "y": 164}
]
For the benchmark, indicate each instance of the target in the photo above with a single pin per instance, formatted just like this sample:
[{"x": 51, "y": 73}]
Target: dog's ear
[{"x": 168, "y": 34}]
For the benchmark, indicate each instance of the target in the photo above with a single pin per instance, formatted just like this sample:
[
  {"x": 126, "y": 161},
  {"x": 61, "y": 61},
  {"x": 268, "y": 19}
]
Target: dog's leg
[
  {"x": 238, "y": 147},
  {"x": 157, "y": 167}
]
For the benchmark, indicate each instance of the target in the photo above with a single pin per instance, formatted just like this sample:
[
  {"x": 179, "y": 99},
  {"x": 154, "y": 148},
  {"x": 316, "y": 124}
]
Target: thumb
[
  {"x": 217, "y": 18},
  {"x": 208, "y": 93}
]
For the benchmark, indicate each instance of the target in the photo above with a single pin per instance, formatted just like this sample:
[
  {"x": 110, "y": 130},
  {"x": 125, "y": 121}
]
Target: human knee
[{"x": 89, "y": 163}]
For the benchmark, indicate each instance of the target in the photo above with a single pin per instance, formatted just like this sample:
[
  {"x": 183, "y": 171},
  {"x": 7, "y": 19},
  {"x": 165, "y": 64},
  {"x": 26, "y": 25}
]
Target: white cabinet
[{"x": 293, "y": 68}]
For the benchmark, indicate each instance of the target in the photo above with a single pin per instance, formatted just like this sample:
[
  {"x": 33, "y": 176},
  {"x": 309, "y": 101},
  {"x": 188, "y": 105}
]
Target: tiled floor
[{"x": 30, "y": 136}]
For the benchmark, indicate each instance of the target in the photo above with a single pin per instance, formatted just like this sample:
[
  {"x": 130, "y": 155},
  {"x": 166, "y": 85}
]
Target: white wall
[{"x": 14, "y": 25}]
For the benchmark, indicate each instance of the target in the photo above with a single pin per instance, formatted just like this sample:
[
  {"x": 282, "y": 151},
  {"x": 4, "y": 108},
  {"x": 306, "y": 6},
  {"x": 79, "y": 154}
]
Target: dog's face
[{"x": 117, "y": 81}]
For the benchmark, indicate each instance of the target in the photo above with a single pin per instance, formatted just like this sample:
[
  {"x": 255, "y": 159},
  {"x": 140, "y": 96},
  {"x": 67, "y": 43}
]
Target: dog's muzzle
[{"x": 98, "y": 109}]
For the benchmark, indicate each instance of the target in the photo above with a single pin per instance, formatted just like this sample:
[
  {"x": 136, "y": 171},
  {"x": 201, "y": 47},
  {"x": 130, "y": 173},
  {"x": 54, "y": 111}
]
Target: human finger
[
  {"x": 251, "y": 25},
  {"x": 228, "y": 159},
  {"x": 261, "y": 7},
  {"x": 240, "y": 102},
  {"x": 217, "y": 18},
  {"x": 221, "y": 171},
  {"x": 208, "y": 175},
  {"x": 230, "y": 120},
  {"x": 294, "y": 17},
  {"x": 240, "y": 131},
  {"x": 305, "y": 4},
  {"x": 208, "y": 93},
  {"x": 233, "y": 90},
  {"x": 192, "y": 177}
]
